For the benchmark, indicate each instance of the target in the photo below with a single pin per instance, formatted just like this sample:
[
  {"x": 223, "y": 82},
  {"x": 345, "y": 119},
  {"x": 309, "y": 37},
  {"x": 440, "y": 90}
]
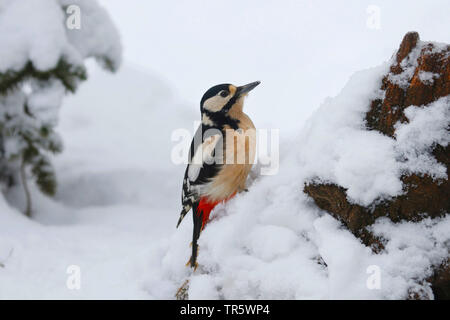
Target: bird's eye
[{"x": 223, "y": 93}]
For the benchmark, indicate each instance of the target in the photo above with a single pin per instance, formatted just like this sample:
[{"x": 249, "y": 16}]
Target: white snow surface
[
  {"x": 118, "y": 202},
  {"x": 428, "y": 77}
]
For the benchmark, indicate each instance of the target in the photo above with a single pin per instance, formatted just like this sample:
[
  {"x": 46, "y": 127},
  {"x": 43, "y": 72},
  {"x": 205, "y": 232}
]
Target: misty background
[{"x": 302, "y": 51}]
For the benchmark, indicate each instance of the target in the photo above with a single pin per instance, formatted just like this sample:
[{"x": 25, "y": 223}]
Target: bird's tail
[{"x": 183, "y": 213}]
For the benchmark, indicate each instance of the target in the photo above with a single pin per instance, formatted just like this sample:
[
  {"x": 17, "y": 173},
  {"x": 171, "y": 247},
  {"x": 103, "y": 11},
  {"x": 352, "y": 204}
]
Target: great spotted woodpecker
[{"x": 219, "y": 159}]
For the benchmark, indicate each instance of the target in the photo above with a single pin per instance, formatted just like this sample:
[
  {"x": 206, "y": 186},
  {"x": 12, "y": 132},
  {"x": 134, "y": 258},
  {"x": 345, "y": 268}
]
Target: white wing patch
[
  {"x": 207, "y": 120},
  {"x": 203, "y": 154}
]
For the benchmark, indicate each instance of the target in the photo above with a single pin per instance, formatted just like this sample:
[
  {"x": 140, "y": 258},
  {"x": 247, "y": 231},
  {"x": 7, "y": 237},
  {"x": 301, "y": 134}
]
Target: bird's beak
[{"x": 243, "y": 90}]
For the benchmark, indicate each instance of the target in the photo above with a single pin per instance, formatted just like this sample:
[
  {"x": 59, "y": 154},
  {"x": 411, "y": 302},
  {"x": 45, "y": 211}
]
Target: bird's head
[{"x": 219, "y": 100}]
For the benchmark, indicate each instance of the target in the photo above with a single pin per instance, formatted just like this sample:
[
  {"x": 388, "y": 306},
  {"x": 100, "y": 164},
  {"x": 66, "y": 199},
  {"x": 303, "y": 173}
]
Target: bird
[{"x": 219, "y": 159}]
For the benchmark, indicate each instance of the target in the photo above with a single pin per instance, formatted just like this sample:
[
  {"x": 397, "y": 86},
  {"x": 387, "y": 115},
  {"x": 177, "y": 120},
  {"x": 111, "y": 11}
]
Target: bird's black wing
[{"x": 198, "y": 172}]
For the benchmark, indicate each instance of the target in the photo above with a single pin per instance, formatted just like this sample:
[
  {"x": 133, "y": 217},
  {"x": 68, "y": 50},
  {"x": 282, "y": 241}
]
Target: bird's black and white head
[{"x": 220, "y": 102}]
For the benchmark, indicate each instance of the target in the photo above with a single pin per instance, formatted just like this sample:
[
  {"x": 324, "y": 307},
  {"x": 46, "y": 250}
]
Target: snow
[
  {"x": 336, "y": 147},
  {"x": 427, "y": 127},
  {"x": 34, "y": 39},
  {"x": 43, "y": 37},
  {"x": 408, "y": 65},
  {"x": 428, "y": 77},
  {"x": 45, "y": 102},
  {"x": 367, "y": 163},
  {"x": 97, "y": 36}
]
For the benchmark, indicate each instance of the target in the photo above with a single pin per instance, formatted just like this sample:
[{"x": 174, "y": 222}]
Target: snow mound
[{"x": 337, "y": 148}]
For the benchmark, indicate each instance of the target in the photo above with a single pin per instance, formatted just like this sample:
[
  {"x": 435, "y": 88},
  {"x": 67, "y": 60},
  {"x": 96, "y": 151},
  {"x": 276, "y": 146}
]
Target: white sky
[{"x": 302, "y": 51}]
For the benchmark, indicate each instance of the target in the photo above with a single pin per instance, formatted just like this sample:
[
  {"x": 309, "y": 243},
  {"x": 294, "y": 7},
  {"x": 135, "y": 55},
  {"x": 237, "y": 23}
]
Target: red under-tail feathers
[{"x": 206, "y": 207}]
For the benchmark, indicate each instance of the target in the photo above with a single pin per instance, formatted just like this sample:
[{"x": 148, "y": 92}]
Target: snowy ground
[
  {"x": 118, "y": 196},
  {"x": 117, "y": 205}
]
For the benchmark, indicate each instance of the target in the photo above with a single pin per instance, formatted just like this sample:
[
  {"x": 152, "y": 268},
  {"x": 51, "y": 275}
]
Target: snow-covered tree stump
[{"x": 416, "y": 89}]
